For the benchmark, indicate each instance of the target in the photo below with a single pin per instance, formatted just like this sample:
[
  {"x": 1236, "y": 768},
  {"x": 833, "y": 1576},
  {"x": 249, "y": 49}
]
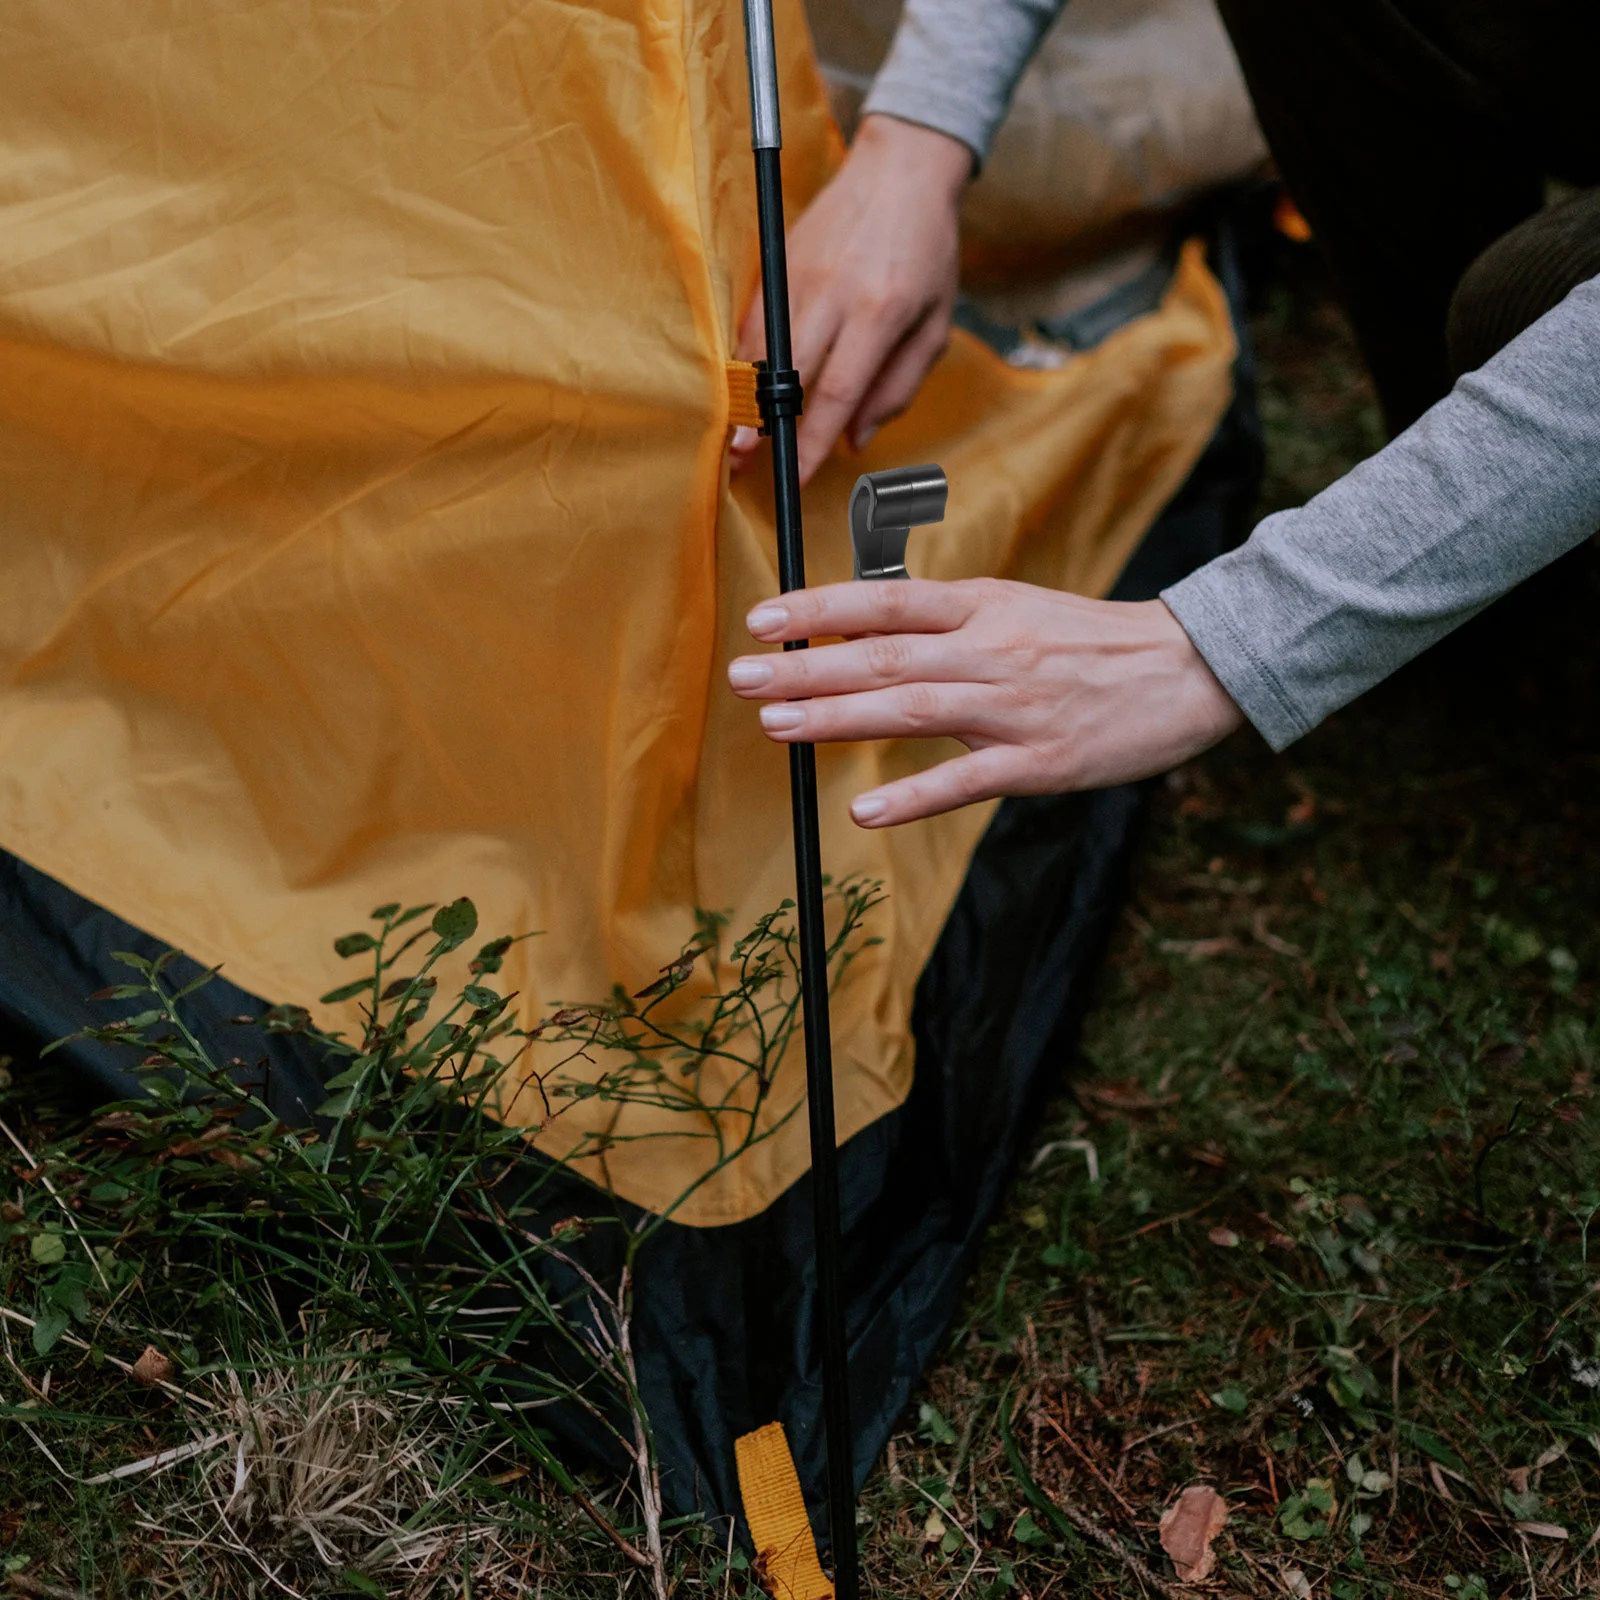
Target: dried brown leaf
[
  {"x": 1188, "y": 1526},
  {"x": 152, "y": 1367}
]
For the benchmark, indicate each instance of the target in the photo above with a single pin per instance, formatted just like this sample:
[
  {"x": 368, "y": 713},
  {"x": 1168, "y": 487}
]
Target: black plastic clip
[
  {"x": 884, "y": 508},
  {"x": 778, "y": 394}
]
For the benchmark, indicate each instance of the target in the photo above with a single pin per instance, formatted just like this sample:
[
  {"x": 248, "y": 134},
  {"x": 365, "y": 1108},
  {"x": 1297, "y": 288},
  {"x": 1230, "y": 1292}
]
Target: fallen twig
[
  {"x": 160, "y": 1460},
  {"x": 21, "y": 1583},
  {"x": 1088, "y": 1461},
  {"x": 1067, "y": 1517},
  {"x": 1156, "y": 1433}
]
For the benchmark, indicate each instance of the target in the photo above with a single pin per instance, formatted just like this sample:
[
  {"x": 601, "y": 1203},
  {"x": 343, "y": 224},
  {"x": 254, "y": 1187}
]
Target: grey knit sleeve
[
  {"x": 954, "y": 64},
  {"x": 1496, "y": 481}
]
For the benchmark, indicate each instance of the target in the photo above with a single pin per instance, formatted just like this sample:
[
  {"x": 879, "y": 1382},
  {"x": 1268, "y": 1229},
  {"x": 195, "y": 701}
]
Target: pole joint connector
[{"x": 778, "y": 394}]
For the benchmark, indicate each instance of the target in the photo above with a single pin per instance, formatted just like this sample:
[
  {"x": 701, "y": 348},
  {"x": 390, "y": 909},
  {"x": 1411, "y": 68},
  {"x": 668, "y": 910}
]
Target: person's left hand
[{"x": 1048, "y": 691}]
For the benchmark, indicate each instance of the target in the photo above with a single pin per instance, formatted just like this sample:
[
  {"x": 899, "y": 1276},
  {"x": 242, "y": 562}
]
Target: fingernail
[
  {"x": 748, "y": 674},
  {"x": 868, "y": 806},
  {"x": 866, "y": 436},
  {"x": 767, "y": 620},
  {"x": 781, "y": 719},
  {"x": 745, "y": 438}
]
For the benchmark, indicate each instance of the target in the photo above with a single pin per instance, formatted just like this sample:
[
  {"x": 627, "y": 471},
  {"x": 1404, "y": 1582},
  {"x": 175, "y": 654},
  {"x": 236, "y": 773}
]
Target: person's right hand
[{"x": 872, "y": 283}]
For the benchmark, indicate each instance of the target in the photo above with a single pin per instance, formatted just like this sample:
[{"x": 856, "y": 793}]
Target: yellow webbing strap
[
  {"x": 743, "y": 412},
  {"x": 786, "y": 1552}
]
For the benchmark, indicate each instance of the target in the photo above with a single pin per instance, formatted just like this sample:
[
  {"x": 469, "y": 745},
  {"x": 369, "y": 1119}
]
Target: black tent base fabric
[{"x": 723, "y": 1316}]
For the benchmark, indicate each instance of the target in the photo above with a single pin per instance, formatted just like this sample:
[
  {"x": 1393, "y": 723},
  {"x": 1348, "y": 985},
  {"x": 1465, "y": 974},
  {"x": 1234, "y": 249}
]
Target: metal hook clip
[{"x": 885, "y": 507}]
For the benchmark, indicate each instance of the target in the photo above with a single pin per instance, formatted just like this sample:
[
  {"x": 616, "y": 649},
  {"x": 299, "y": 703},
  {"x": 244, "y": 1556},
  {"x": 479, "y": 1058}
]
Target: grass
[
  {"x": 1338, "y": 1090},
  {"x": 1310, "y": 1221}
]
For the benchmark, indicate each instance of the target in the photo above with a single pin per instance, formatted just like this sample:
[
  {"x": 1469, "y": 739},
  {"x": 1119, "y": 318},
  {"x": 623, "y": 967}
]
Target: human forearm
[
  {"x": 954, "y": 64},
  {"x": 1495, "y": 482}
]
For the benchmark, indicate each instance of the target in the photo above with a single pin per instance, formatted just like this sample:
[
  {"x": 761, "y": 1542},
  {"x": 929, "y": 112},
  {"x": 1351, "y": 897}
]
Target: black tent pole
[{"x": 778, "y": 393}]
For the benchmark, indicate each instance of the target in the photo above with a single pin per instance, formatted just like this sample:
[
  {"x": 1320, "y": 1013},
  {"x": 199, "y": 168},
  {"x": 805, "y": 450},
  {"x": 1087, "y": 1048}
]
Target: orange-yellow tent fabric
[{"x": 365, "y": 528}]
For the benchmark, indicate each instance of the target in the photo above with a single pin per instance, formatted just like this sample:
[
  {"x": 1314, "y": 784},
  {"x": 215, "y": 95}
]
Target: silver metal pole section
[{"x": 765, "y": 133}]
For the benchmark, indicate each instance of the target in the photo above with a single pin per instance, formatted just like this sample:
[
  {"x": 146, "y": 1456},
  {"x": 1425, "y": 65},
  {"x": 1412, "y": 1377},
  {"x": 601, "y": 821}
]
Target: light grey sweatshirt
[{"x": 1497, "y": 480}]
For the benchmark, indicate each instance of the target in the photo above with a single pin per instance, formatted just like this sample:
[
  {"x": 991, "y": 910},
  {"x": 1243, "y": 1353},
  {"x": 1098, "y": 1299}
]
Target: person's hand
[
  {"x": 872, "y": 281},
  {"x": 1048, "y": 691}
]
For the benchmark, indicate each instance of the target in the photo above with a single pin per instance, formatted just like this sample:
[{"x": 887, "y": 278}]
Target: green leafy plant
[
  {"x": 1309, "y": 1514},
  {"x": 408, "y": 1220}
]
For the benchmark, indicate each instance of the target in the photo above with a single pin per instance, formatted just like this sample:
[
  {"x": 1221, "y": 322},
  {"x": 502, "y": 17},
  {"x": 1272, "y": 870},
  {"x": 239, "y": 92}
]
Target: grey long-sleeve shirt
[{"x": 1496, "y": 481}]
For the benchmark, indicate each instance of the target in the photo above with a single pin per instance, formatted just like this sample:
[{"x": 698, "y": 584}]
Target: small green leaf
[
  {"x": 1297, "y": 1516},
  {"x": 383, "y": 913},
  {"x": 1295, "y": 1521},
  {"x": 1524, "y": 1507},
  {"x": 1430, "y": 1444},
  {"x": 361, "y": 1583},
  {"x": 352, "y": 944},
  {"x": 347, "y": 991},
  {"x": 491, "y": 957},
  {"x": 1027, "y": 1531},
  {"x": 47, "y": 1329},
  {"x": 423, "y": 986},
  {"x": 67, "y": 1292},
  {"x": 1232, "y": 1399},
  {"x": 121, "y": 991},
  {"x": 1513, "y": 944},
  {"x": 934, "y": 1425},
  {"x": 1320, "y": 1495},
  {"x": 338, "y": 1105},
  {"x": 127, "y": 958},
  {"x": 455, "y": 923},
  {"x": 286, "y": 1019},
  {"x": 475, "y": 994},
  {"x": 194, "y": 985},
  {"x": 1345, "y": 1390},
  {"x": 48, "y": 1249}
]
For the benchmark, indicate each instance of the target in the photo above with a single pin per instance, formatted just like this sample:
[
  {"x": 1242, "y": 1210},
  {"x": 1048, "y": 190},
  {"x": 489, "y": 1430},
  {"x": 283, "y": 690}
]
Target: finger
[
  {"x": 900, "y": 605},
  {"x": 896, "y": 386},
  {"x": 907, "y": 711},
  {"x": 875, "y": 662},
  {"x": 852, "y": 365},
  {"x": 742, "y": 449},
  {"x": 818, "y": 320},
  {"x": 961, "y": 781}
]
